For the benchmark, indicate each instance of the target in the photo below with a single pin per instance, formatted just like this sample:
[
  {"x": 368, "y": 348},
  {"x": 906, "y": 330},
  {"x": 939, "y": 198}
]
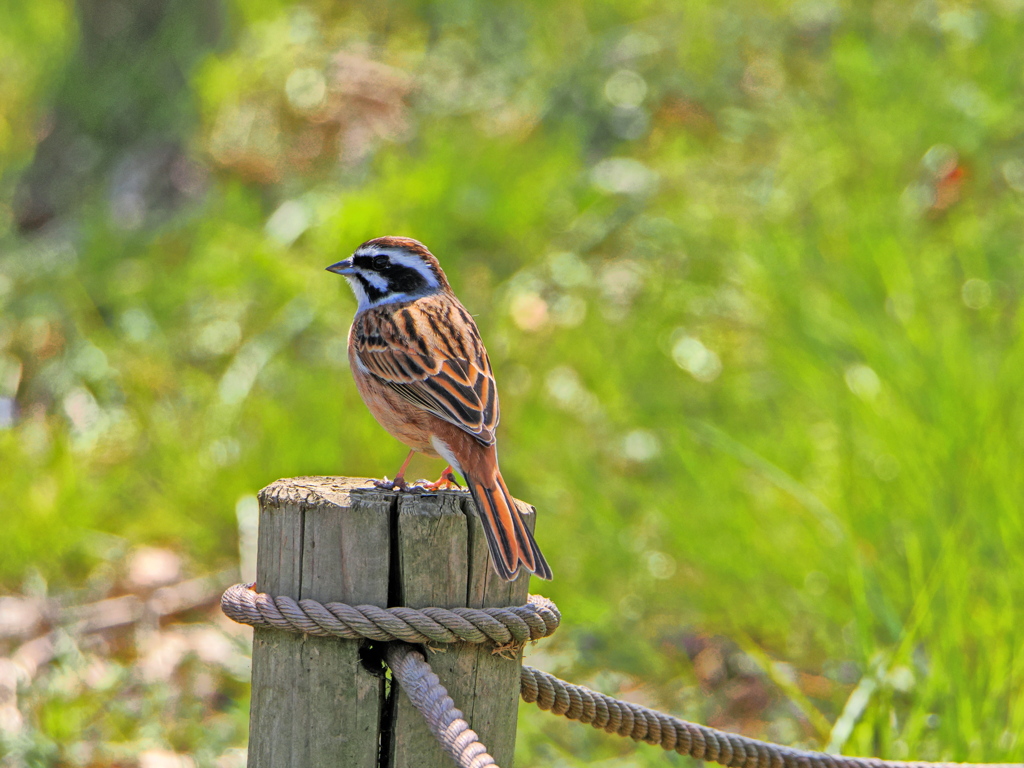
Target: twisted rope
[
  {"x": 445, "y": 721},
  {"x": 672, "y": 734},
  {"x": 501, "y": 626}
]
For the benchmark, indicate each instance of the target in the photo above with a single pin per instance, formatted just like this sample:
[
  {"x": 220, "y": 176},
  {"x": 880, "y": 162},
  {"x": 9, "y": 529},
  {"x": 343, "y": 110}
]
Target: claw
[{"x": 398, "y": 484}]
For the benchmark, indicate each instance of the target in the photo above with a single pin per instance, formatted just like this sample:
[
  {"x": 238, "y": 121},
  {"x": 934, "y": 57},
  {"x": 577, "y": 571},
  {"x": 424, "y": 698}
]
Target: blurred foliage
[{"x": 750, "y": 275}]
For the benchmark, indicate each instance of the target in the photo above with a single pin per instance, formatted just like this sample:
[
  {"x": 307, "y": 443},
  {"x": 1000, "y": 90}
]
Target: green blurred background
[{"x": 750, "y": 275}]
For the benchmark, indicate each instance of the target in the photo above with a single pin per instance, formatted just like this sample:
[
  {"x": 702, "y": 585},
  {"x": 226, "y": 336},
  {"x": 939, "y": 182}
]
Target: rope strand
[
  {"x": 672, "y": 734},
  {"x": 445, "y": 721}
]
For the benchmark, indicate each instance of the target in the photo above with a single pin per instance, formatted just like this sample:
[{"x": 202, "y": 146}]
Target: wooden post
[{"x": 314, "y": 701}]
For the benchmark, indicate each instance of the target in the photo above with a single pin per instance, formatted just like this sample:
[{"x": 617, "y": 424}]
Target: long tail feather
[
  {"x": 508, "y": 539},
  {"x": 536, "y": 562}
]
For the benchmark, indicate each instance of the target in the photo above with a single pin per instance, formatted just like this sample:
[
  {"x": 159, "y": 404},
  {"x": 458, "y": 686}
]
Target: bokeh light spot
[
  {"x": 976, "y": 293},
  {"x": 569, "y": 270},
  {"x": 625, "y": 89},
  {"x": 863, "y": 381},
  {"x": 289, "y": 221},
  {"x": 306, "y": 88},
  {"x": 692, "y": 356},
  {"x": 661, "y": 565},
  {"x": 623, "y": 175},
  {"x": 641, "y": 445},
  {"x": 529, "y": 311},
  {"x": 1013, "y": 173},
  {"x": 940, "y": 160}
]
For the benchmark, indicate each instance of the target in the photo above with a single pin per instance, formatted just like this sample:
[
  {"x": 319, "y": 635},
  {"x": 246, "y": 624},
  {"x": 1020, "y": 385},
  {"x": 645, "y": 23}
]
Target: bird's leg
[
  {"x": 399, "y": 482},
  {"x": 444, "y": 482}
]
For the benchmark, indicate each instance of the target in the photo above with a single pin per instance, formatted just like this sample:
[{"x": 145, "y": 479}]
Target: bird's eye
[{"x": 380, "y": 262}]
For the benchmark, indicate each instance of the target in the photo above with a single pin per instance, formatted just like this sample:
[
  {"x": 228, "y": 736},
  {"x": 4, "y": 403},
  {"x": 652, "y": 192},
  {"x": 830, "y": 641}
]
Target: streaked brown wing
[{"x": 430, "y": 353}]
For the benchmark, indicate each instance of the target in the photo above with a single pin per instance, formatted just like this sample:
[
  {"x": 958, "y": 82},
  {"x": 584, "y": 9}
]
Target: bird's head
[{"x": 387, "y": 270}]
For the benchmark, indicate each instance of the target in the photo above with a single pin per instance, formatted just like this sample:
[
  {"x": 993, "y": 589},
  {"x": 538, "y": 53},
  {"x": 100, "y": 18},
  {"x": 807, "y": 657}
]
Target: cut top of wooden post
[
  {"x": 321, "y": 537},
  {"x": 320, "y": 540}
]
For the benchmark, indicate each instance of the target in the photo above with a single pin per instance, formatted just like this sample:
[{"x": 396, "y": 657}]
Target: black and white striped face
[{"x": 388, "y": 270}]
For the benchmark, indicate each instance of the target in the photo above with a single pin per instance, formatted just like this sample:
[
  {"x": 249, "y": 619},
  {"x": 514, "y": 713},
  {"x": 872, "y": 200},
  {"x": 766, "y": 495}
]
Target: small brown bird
[{"x": 422, "y": 370}]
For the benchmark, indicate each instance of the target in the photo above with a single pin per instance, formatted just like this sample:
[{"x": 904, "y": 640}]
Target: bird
[{"x": 422, "y": 370}]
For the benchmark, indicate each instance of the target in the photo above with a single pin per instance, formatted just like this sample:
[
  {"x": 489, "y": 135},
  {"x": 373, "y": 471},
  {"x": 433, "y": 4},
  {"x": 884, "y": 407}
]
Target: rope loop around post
[{"x": 500, "y": 626}]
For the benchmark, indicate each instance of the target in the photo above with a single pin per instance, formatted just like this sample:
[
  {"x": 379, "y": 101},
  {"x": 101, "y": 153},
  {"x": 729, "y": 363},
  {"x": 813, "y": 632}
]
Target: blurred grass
[{"x": 750, "y": 275}]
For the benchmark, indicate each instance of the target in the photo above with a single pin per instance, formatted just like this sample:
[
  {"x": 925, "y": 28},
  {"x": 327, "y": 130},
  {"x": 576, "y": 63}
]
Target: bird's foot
[
  {"x": 398, "y": 484},
  {"x": 446, "y": 482}
]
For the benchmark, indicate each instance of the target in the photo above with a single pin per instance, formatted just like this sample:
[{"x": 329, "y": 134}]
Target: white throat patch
[{"x": 362, "y": 300}]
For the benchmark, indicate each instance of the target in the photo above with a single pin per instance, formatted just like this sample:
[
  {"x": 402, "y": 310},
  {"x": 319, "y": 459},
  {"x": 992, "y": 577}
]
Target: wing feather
[{"x": 430, "y": 353}]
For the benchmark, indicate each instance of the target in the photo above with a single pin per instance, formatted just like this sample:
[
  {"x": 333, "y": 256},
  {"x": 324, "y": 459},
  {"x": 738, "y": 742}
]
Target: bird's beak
[{"x": 343, "y": 268}]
